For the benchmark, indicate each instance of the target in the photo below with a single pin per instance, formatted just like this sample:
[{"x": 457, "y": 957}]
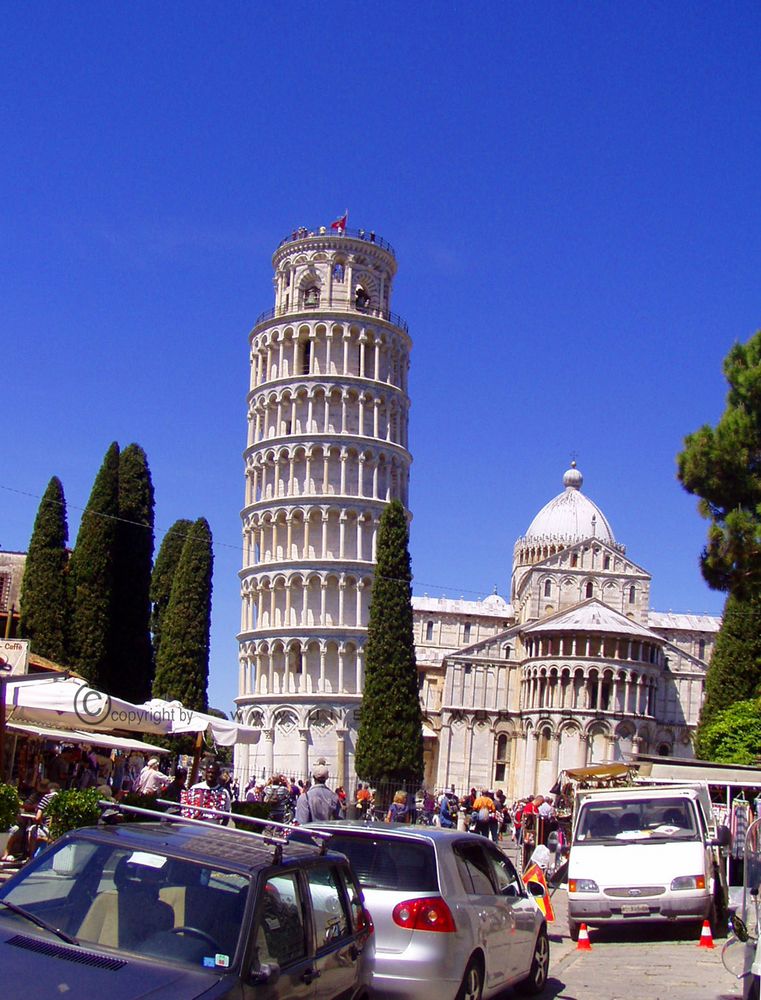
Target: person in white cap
[
  {"x": 318, "y": 803},
  {"x": 151, "y": 781}
]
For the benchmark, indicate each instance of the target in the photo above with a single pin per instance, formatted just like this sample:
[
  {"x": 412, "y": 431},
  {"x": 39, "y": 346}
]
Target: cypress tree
[
  {"x": 91, "y": 575},
  {"x": 131, "y": 665},
  {"x": 390, "y": 738},
  {"x": 182, "y": 664},
  {"x": 44, "y": 601},
  {"x": 735, "y": 671},
  {"x": 163, "y": 574}
]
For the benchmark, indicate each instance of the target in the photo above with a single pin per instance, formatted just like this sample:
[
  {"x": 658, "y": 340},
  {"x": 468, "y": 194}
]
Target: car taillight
[{"x": 428, "y": 914}]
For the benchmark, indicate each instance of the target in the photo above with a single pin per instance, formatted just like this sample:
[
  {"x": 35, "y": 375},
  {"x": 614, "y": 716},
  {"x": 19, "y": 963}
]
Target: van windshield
[{"x": 643, "y": 820}]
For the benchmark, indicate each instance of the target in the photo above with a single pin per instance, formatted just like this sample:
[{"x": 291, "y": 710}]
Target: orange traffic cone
[
  {"x": 583, "y": 942},
  {"x": 706, "y": 938}
]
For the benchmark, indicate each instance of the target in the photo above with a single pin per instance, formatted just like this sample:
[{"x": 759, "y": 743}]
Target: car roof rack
[{"x": 276, "y": 842}]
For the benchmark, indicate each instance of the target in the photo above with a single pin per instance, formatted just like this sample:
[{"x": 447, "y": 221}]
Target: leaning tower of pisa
[{"x": 326, "y": 450}]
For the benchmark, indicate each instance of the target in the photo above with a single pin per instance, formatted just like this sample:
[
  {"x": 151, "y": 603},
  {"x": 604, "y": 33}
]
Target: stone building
[
  {"x": 326, "y": 451},
  {"x": 576, "y": 669}
]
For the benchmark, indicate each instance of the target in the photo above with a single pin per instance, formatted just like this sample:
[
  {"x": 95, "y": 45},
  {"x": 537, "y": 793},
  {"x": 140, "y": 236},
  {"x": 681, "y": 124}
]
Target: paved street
[{"x": 635, "y": 963}]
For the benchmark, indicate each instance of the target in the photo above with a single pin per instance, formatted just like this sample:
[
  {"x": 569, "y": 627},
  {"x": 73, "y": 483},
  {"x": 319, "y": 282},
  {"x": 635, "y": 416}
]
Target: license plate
[{"x": 632, "y": 908}]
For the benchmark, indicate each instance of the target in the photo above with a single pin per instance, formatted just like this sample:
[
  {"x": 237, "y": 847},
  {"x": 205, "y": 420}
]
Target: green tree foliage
[
  {"x": 131, "y": 664},
  {"x": 163, "y": 576},
  {"x": 733, "y": 736},
  {"x": 91, "y": 575},
  {"x": 182, "y": 664},
  {"x": 734, "y": 673},
  {"x": 390, "y": 739},
  {"x": 722, "y": 466},
  {"x": 44, "y": 596}
]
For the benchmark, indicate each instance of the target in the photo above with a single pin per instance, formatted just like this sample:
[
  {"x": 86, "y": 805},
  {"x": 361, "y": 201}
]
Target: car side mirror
[
  {"x": 267, "y": 973},
  {"x": 511, "y": 891},
  {"x": 534, "y": 888},
  {"x": 723, "y": 837}
]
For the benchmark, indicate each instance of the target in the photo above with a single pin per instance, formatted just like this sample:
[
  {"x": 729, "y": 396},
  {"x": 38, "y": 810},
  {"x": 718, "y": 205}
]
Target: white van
[{"x": 645, "y": 853}]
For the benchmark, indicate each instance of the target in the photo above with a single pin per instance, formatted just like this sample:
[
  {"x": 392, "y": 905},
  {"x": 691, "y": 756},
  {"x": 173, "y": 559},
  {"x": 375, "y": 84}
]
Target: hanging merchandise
[{"x": 738, "y": 824}]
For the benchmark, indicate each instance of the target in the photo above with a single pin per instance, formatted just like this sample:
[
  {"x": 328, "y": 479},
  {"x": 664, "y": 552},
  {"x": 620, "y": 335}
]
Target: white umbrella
[
  {"x": 185, "y": 720},
  {"x": 69, "y": 701}
]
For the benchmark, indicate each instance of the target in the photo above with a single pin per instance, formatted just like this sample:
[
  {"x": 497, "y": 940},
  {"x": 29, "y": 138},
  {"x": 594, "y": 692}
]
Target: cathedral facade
[{"x": 575, "y": 670}]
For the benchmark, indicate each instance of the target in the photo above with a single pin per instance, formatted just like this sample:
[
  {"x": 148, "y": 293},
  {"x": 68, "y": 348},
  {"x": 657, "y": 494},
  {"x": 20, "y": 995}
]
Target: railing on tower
[
  {"x": 358, "y": 234},
  {"x": 343, "y": 307}
]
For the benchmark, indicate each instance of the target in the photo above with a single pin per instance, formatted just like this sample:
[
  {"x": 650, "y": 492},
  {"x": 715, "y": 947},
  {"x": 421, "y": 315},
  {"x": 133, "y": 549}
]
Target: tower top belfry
[{"x": 348, "y": 271}]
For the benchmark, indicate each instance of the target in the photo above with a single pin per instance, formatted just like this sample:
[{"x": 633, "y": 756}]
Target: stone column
[
  {"x": 269, "y": 750},
  {"x": 341, "y": 757},
  {"x": 556, "y": 754},
  {"x": 304, "y": 752},
  {"x": 529, "y": 769}
]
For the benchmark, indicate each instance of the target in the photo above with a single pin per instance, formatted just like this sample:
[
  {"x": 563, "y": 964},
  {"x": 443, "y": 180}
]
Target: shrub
[
  {"x": 258, "y": 810},
  {"x": 10, "y": 806},
  {"x": 73, "y": 809}
]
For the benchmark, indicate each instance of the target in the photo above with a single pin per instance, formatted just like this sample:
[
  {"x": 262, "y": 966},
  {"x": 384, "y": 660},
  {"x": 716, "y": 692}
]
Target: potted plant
[
  {"x": 10, "y": 806},
  {"x": 72, "y": 809}
]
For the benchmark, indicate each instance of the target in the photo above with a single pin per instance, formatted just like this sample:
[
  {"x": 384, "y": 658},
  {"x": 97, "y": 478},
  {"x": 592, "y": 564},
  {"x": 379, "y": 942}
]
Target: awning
[
  {"x": 429, "y": 734},
  {"x": 656, "y": 769},
  {"x": 599, "y": 772},
  {"x": 92, "y": 739}
]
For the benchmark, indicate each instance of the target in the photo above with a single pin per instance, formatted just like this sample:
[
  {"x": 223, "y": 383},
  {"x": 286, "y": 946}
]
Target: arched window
[
  {"x": 466, "y": 632},
  {"x": 702, "y": 649},
  {"x": 606, "y": 562},
  {"x": 664, "y": 750},
  {"x": 361, "y": 298},
  {"x": 502, "y": 758},
  {"x": 548, "y": 588},
  {"x": 589, "y": 589},
  {"x": 429, "y": 631},
  {"x": 306, "y": 357},
  {"x": 338, "y": 272},
  {"x": 632, "y": 595},
  {"x": 312, "y": 297},
  {"x": 508, "y": 651}
]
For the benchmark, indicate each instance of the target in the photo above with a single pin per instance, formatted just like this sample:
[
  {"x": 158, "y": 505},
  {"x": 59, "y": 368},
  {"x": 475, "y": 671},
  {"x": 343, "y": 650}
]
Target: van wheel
[
  {"x": 472, "y": 982},
  {"x": 573, "y": 929},
  {"x": 751, "y": 988},
  {"x": 536, "y": 980}
]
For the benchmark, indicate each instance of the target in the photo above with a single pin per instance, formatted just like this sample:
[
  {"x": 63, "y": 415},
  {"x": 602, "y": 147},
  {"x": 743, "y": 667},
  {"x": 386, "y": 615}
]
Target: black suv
[{"x": 177, "y": 910}]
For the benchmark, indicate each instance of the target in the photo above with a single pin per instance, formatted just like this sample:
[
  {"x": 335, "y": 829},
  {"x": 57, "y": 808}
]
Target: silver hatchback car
[{"x": 451, "y": 913}]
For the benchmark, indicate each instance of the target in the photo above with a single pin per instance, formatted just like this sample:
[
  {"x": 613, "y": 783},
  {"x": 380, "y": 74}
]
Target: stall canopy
[
  {"x": 91, "y": 739},
  {"x": 71, "y": 703}
]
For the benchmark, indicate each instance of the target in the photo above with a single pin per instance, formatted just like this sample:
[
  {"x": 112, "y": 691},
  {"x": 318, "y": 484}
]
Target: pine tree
[
  {"x": 164, "y": 570},
  {"x": 91, "y": 576},
  {"x": 44, "y": 602},
  {"x": 182, "y": 664},
  {"x": 131, "y": 664},
  {"x": 734, "y": 674},
  {"x": 722, "y": 466},
  {"x": 390, "y": 738}
]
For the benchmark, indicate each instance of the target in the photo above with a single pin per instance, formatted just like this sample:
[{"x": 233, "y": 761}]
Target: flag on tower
[{"x": 340, "y": 224}]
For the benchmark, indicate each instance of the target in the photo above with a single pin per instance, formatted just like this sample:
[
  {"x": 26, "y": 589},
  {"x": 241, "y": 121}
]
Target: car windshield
[
  {"x": 643, "y": 820},
  {"x": 132, "y": 900},
  {"x": 389, "y": 862}
]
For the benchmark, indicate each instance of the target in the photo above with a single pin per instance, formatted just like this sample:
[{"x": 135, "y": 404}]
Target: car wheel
[
  {"x": 536, "y": 980},
  {"x": 573, "y": 929},
  {"x": 472, "y": 982}
]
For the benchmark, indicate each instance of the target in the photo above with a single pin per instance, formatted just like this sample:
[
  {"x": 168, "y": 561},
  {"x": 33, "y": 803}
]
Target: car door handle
[{"x": 309, "y": 975}]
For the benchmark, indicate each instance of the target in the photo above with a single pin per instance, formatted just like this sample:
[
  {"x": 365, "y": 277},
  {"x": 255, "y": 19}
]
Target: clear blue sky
[{"x": 572, "y": 191}]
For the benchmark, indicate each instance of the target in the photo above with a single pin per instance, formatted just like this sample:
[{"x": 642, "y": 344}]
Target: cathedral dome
[{"x": 570, "y": 516}]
